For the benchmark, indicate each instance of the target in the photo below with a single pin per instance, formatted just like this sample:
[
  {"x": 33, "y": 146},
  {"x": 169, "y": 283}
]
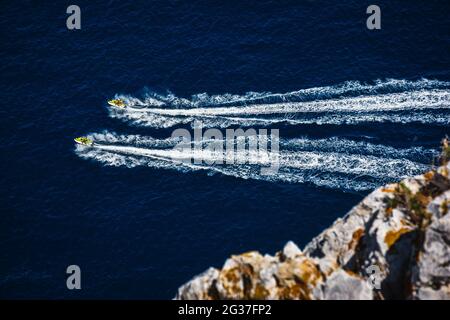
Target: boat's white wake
[
  {"x": 335, "y": 163},
  {"x": 398, "y": 101}
]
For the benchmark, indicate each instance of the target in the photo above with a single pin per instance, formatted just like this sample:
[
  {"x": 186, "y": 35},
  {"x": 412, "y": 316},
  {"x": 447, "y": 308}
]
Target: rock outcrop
[{"x": 395, "y": 244}]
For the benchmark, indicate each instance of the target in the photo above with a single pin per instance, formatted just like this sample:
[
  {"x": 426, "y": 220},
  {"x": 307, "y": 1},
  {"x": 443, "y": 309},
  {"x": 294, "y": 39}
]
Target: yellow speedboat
[
  {"x": 85, "y": 141},
  {"x": 119, "y": 103}
]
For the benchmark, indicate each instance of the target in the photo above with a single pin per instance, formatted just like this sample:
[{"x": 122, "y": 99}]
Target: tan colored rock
[
  {"x": 431, "y": 275},
  {"x": 342, "y": 285},
  {"x": 200, "y": 287},
  {"x": 403, "y": 229}
]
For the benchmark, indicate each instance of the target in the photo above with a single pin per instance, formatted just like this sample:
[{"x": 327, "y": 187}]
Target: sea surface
[{"x": 355, "y": 109}]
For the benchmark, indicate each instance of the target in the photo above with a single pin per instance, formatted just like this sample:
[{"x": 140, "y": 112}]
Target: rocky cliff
[{"x": 395, "y": 244}]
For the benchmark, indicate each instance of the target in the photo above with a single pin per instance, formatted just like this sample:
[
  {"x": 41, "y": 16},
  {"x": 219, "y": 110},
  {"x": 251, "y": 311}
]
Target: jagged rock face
[
  {"x": 402, "y": 230},
  {"x": 431, "y": 275}
]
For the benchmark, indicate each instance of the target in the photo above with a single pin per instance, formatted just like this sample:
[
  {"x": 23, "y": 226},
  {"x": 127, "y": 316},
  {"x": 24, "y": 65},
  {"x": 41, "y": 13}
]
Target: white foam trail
[
  {"x": 156, "y": 121},
  {"x": 430, "y": 99},
  {"x": 333, "y": 169},
  {"x": 393, "y": 107},
  {"x": 348, "y": 88},
  {"x": 342, "y": 145},
  {"x": 332, "y": 144}
]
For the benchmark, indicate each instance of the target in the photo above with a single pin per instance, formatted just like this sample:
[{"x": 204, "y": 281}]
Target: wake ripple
[
  {"x": 333, "y": 163},
  {"x": 395, "y": 101}
]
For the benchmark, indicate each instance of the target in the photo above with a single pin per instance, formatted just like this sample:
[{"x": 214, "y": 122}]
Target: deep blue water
[{"x": 141, "y": 231}]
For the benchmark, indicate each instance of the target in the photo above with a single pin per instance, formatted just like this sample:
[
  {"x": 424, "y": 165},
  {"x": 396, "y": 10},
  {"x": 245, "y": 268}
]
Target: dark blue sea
[{"x": 355, "y": 108}]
